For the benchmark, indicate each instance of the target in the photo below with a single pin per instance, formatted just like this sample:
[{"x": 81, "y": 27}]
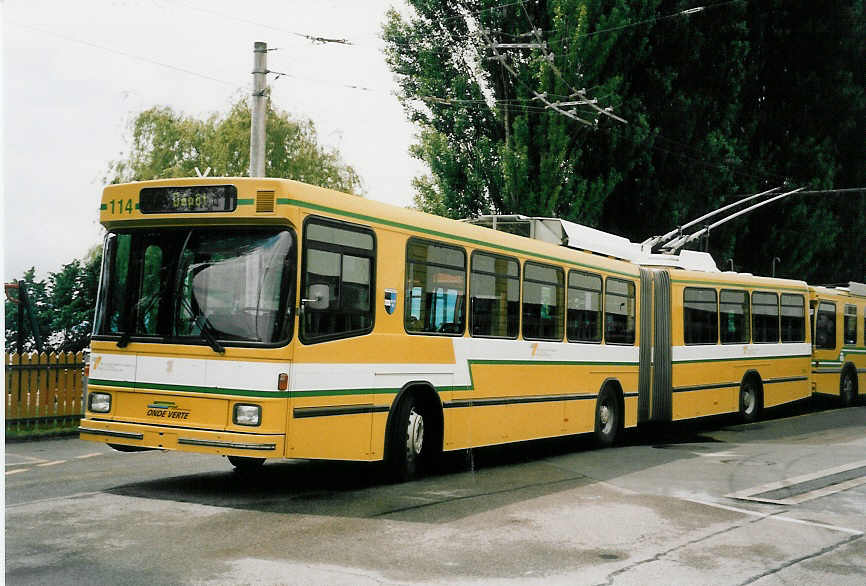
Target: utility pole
[{"x": 259, "y": 110}]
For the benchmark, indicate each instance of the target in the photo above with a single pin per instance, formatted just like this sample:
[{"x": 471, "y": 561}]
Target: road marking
[
  {"x": 760, "y": 493},
  {"x": 771, "y": 517},
  {"x": 10, "y": 472},
  {"x": 88, "y": 455},
  {"x": 815, "y": 524},
  {"x": 54, "y": 463},
  {"x": 27, "y": 460}
]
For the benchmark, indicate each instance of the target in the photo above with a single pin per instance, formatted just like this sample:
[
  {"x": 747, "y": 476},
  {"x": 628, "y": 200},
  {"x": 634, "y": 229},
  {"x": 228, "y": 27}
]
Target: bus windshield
[{"x": 197, "y": 286}]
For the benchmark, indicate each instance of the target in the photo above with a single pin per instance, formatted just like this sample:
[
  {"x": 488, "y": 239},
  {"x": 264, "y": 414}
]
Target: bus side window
[
  {"x": 765, "y": 318},
  {"x": 338, "y": 259},
  {"x": 735, "y": 318},
  {"x": 543, "y": 292},
  {"x": 700, "y": 316},
  {"x": 494, "y": 289},
  {"x": 825, "y": 326},
  {"x": 850, "y": 325},
  {"x": 583, "y": 315},
  {"x": 793, "y": 318},
  {"x": 435, "y": 288},
  {"x": 619, "y": 312}
]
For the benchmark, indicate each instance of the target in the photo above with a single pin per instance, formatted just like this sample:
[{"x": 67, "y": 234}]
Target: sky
[{"x": 75, "y": 74}]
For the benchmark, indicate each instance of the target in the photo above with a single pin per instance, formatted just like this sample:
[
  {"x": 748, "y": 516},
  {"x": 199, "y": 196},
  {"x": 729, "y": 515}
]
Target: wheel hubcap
[
  {"x": 848, "y": 388},
  {"x": 415, "y": 434},
  {"x": 748, "y": 400},
  {"x": 605, "y": 417}
]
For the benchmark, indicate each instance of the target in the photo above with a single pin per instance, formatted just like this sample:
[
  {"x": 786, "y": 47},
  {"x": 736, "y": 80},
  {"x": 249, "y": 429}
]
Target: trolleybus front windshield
[{"x": 197, "y": 286}]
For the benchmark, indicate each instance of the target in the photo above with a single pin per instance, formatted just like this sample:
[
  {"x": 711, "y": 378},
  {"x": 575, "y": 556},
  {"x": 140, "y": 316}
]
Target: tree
[
  {"x": 715, "y": 103},
  {"x": 62, "y": 305},
  {"x": 165, "y": 144}
]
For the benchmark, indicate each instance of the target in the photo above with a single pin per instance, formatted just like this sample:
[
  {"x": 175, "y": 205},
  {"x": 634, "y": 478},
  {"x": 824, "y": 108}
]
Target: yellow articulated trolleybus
[
  {"x": 265, "y": 318},
  {"x": 839, "y": 326}
]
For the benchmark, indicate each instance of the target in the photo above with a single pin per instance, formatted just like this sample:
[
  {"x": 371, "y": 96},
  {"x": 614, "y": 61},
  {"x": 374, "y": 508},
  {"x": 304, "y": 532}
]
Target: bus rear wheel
[
  {"x": 246, "y": 464},
  {"x": 848, "y": 389},
  {"x": 607, "y": 418},
  {"x": 750, "y": 401}
]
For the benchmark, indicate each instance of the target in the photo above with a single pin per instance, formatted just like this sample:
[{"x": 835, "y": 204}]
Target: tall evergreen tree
[{"x": 699, "y": 91}]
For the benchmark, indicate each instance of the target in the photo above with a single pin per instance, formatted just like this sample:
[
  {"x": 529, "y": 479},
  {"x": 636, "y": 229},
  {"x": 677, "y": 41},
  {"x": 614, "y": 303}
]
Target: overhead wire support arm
[
  {"x": 537, "y": 96},
  {"x": 678, "y": 243},
  {"x": 678, "y": 231},
  {"x": 581, "y": 93}
]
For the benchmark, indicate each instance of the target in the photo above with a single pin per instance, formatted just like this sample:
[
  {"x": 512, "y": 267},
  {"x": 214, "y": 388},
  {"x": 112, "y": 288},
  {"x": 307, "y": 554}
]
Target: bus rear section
[{"x": 838, "y": 319}]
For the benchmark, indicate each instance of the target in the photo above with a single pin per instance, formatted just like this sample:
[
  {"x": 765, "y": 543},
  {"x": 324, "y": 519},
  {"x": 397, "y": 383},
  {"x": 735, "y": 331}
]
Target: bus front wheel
[{"x": 407, "y": 441}]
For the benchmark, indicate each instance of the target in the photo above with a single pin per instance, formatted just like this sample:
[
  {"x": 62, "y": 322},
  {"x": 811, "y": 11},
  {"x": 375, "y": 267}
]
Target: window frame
[
  {"x": 406, "y": 289},
  {"x": 302, "y": 251},
  {"x": 747, "y": 316},
  {"x": 845, "y": 320},
  {"x": 802, "y": 305},
  {"x": 716, "y": 295},
  {"x": 102, "y": 313},
  {"x": 561, "y": 298},
  {"x": 818, "y": 312},
  {"x": 470, "y": 320},
  {"x": 568, "y": 290},
  {"x": 634, "y": 315},
  {"x": 778, "y": 339}
]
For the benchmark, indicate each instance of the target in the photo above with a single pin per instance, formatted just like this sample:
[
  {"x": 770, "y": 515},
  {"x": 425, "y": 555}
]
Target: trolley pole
[{"x": 259, "y": 110}]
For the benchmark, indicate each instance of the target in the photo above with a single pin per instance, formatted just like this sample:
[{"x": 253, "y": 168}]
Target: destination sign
[{"x": 190, "y": 199}]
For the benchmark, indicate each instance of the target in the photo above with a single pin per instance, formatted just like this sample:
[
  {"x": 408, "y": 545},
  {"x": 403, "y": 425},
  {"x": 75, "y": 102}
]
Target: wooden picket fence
[{"x": 43, "y": 392}]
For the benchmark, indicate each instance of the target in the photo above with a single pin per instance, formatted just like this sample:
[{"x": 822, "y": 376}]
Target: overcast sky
[{"x": 76, "y": 73}]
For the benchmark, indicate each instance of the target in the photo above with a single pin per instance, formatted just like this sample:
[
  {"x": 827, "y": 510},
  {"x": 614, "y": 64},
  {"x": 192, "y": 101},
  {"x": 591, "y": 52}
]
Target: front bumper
[{"x": 183, "y": 439}]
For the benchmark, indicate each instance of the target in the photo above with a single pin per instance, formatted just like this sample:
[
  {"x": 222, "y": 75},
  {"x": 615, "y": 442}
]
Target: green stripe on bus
[
  {"x": 336, "y": 392},
  {"x": 246, "y": 202},
  {"x": 393, "y": 224},
  {"x": 742, "y": 358}
]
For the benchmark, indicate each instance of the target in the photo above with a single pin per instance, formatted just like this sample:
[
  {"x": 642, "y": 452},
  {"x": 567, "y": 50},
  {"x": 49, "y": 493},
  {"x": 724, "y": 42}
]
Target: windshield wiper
[
  {"x": 205, "y": 327},
  {"x": 123, "y": 342},
  {"x": 207, "y": 330}
]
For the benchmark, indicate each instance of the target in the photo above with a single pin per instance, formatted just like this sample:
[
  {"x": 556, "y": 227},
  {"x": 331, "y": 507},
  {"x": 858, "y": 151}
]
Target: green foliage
[
  {"x": 168, "y": 144},
  {"x": 63, "y": 306},
  {"x": 731, "y": 100}
]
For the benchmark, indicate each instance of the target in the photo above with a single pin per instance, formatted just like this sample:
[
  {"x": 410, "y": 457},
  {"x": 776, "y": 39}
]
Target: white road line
[
  {"x": 88, "y": 455},
  {"x": 27, "y": 460},
  {"x": 54, "y": 463},
  {"x": 727, "y": 508},
  {"x": 753, "y": 494},
  {"x": 771, "y": 517},
  {"x": 822, "y": 525},
  {"x": 10, "y": 472}
]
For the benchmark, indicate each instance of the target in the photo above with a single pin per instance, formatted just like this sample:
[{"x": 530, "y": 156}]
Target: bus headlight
[
  {"x": 247, "y": 415},
  {"x": 99, "y": 402}
]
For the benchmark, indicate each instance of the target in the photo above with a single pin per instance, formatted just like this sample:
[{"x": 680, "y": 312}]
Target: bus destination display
[{"x": 185, "y": 200}]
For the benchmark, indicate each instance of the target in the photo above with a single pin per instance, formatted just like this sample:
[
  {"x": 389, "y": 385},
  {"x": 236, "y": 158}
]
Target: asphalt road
[{"x": 672, "y": 509}]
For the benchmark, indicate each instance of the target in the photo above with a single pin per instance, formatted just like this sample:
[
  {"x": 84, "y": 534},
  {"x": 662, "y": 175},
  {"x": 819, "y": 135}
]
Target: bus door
[{"x": 333, "y": 398}]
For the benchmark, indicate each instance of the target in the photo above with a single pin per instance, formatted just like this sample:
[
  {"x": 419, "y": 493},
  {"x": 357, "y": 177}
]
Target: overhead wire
[{"x": 125, "y": 54}]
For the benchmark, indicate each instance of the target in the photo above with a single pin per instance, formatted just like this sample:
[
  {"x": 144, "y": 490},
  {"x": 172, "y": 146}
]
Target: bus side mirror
[{"x": 320, "y": 297}]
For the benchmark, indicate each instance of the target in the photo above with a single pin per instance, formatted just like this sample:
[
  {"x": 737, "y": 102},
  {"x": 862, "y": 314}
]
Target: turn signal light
[{"x": 283, "y": 382}]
